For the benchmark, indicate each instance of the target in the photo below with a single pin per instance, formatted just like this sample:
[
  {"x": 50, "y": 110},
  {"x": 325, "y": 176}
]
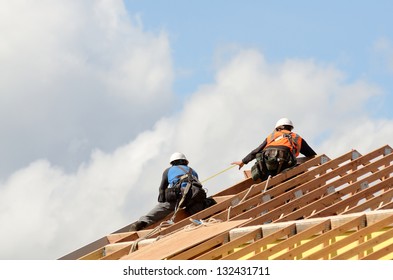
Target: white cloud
[
  {"x": 47, "y": 212},
  {"x": 77, "y": 75}
]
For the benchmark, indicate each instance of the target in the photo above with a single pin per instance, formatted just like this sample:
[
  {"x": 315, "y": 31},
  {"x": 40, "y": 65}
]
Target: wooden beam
[
  {"x": 226, "y": 248},
  {"x": 386, "y": 206},
  {"x": 179, "y": 241},
  {"x": 86, "y": 250},
  {"x": 256, "y": 246},
  {"x": 310, "y": 204},
  {"x": 333, "y": 248},
  {"x": 354, "y": 199},
  {"x": 380, "y": 253},
  {"x": 361, "y": 249},
  {"x": 323, "y": 239},
  {"x": 372, "y": 203},
  {"x": 292, "y": 241},
  {"x": 116, "y": 255},
  {"x": 201, "y": 248}
]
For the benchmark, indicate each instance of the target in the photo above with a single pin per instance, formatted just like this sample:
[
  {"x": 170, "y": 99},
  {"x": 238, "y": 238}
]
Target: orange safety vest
[{"x": 285, "y": 138}]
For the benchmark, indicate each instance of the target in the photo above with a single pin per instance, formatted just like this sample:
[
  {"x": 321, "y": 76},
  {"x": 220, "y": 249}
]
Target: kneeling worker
[
  {"x": 277, "y": 152},
  {"x": 173, "y": 185}
]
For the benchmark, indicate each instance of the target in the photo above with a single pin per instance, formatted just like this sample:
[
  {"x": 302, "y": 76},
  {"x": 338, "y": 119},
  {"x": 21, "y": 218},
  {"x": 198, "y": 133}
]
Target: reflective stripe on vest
[{"x": 285, "y": 138}]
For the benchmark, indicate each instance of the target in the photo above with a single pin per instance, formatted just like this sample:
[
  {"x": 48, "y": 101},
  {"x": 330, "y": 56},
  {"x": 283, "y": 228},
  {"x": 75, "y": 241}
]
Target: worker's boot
[{"x": 138, "y": 225}]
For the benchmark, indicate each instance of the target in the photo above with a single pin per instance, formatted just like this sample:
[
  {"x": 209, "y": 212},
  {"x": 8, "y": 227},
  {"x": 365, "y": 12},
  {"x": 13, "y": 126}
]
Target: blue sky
[
  {"x": 96, "y": 96},
  {"x": 343, "y": 33}
]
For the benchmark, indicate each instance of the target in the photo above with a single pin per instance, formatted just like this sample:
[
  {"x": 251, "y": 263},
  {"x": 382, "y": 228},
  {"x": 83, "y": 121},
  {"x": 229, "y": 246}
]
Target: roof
[{"x": 323, "y": 208}]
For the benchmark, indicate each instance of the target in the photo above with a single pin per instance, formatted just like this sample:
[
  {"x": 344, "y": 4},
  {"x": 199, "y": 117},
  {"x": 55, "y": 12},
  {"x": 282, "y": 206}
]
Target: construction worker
[
  {"x": 171, "y": 192},
  {"x": 277, "y": 152}
]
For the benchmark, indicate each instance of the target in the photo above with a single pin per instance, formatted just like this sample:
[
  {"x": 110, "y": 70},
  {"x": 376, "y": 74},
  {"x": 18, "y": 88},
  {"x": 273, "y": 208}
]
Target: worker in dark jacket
[
  {"x": 170, "y": 193},
  {"x": 279, "y": 150}
]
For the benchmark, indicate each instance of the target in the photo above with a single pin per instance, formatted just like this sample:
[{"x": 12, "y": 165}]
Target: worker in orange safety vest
[{"x": 277, "y": 152}]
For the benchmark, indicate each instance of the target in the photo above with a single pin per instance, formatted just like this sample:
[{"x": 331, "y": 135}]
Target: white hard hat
[
  {"x": 284, "y": 121},
  {"x": 177, "y": 156}
]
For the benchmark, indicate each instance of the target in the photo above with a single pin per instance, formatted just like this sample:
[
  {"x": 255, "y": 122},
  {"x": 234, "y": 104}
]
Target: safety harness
[
  {"x": 281, "y": 148},
  {"x": 184, "y": 195}
]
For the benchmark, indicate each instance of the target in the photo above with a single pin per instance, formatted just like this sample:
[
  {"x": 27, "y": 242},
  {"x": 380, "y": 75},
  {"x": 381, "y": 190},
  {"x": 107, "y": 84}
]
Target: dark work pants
[{"x": 159, "y": 212}]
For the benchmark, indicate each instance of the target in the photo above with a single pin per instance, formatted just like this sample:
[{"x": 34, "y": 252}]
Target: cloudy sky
[{"x": 96, "y": 95}]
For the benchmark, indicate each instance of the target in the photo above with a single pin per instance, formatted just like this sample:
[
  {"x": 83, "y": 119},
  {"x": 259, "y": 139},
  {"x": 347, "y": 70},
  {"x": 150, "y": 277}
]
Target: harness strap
[
  {"x": 292, "y": 141},
  {"x": 280, "y": 163},
  {"x": 187, "y": 188},
  {"x": 189, "y": 170}
]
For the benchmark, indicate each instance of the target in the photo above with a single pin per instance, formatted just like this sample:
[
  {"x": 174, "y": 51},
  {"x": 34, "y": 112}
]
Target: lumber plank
[
  {"x": 257, "y": 245},
  {"x": 341, "y": 205},
  {"x": 372, "y": 203},
  {"x": 310, "y": 208},
  {"x": 179, "y": 241},
  {"x": 386, "y": 206},
  {"x": 201, "y": 248},
  {"x": 369, "y": 244},
  {"x": 332, "y": 248},
  {"x": 229, "y": 246},
  {"x": 291, "y": 241},
  {"x": 322, "y": 239},
  {"x": 380, "y": 253}
]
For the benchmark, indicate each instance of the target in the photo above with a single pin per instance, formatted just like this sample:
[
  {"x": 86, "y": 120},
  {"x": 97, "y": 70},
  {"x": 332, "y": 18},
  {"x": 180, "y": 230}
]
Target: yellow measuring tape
[{"x": 226, "y": 169}]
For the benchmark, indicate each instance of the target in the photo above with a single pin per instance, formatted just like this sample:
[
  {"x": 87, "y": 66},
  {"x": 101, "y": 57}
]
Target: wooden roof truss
[{"x": 319, "y": 188}]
